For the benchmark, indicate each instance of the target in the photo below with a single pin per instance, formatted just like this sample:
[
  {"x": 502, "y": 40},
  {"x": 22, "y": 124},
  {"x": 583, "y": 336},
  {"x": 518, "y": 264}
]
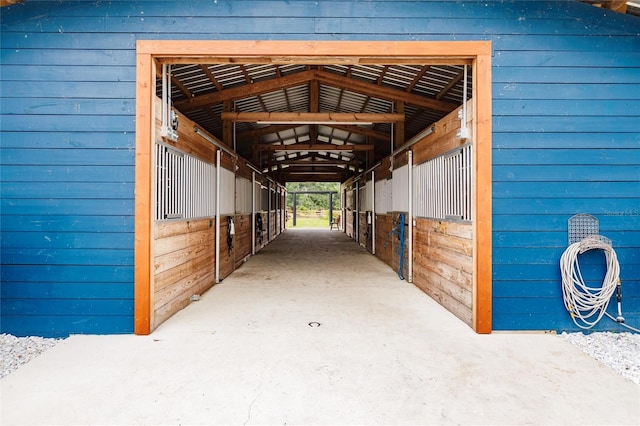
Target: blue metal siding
[{"x": 566, "y": 106}]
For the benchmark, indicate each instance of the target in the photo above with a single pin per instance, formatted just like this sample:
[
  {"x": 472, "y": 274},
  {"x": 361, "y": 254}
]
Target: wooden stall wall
[
  {"x": 242, "y": 239},
  {"x": 442, "y": 253},
  {"x": 443, "y": 266},
  {"x": 349, "y": 221},
  {"x": 227, "y": 255},
  {"x": 400, "y": 249},
  {"x": 183, "y": 250},
  {"x": 242, "y": 219},
  {"x": 273, "y": 224},
  {"x": 364, "y": 231},
  {"x": 385, "y": 244},
  {"x": 184, "y": 262}
]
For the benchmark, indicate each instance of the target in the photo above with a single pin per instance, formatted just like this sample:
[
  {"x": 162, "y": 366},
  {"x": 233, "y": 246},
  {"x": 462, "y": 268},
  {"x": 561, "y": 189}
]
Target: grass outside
[{"x": 310, "y": 219}]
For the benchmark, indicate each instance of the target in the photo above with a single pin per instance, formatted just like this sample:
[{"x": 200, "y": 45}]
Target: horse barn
[{"x": 146, "y": 148}]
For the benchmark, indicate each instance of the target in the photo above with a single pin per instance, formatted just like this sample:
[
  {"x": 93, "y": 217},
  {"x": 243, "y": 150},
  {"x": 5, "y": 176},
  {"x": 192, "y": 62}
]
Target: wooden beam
[
  {"x": 314, "y": 106},
  {"x": 450, "y": 85},
  {"x": 227, "y": 126},
  {"x": 320, "y": 158},
  {"x": 274, "y": 128},
  {"x": 143, "y": 279},
  {"x": 312, "y": 117},
  {"x": 246, "y": 91},
  {"x": 345, "y": 83},
  {"x": 323, "y": 161},
  {"x": 315, "y": 177},
  {"x": 616, "y": 5},
  {"x": 315, "y": 147},
  {"x": 299, "y": 52},
  {"x": 181, "y": 87},
  {"x": 365, "y": 131},
  {"x": 371, "y": 89},
  {"x": 318, "y": 169},
  {"x": 482, "y": 232},
  {"x": 417, "y": 78},
  {"x": 211, "y": 77},
  {"x": 398, "y": 130}
]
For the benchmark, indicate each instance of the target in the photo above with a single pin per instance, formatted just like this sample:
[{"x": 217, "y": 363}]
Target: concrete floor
[{"x": 383, "y": 353}]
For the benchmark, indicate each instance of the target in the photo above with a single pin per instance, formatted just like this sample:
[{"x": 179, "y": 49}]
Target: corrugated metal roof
[{"x": 341, "y": 88}]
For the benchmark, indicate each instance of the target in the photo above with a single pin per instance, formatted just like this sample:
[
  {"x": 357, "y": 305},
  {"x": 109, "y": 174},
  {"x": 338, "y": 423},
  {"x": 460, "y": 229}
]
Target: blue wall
[{"x": 566, "y": 105}]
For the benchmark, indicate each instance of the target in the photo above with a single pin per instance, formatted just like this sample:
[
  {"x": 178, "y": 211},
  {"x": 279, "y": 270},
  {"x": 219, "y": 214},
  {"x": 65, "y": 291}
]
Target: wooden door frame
[{"x": 150, "y": 52}]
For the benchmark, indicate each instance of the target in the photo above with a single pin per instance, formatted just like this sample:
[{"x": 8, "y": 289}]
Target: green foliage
[
  {"x": 310, "y": 220},
  {"x": 313, "y": 201}
]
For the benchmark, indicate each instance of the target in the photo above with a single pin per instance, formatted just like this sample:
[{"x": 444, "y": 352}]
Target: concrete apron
[{"x": 378, "y": 351}]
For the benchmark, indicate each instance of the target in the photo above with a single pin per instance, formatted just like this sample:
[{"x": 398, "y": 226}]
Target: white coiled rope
[{"x": 584, "y": 302}]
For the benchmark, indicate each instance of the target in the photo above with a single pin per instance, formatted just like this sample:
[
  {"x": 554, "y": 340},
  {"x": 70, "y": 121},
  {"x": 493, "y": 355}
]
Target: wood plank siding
[
  {"x": 183, "y": 250},
  {"x": 442, "y": 250},
  {"x": 565, "y": 95}
]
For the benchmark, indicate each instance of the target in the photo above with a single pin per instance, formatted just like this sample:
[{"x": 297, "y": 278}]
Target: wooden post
[
  {"x": 143, "y": 279},
  {"x": 227, "y": 125},
  {"x": 482, "y": 250},
  {"x": 399, "y": 125}
]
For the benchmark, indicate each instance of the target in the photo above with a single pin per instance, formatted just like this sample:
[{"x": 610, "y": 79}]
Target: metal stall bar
[
  {"x": 410, "y": 216},
  {"x": 218, "y": 165}
]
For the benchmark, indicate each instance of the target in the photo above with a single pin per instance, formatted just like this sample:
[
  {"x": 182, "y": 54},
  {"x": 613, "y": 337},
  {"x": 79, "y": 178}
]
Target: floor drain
[{"x": 314, "y": 324}]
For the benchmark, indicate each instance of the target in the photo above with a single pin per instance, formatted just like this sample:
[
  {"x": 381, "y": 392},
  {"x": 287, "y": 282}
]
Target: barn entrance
[{"x": 234, "y": 121}]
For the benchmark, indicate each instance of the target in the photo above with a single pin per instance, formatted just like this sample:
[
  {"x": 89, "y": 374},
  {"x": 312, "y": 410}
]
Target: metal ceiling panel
[{"x": 439, "y": 82}]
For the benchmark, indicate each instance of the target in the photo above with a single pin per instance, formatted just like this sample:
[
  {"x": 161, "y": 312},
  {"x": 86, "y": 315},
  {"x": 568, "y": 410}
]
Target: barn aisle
[{"x": 314, "y": 330}]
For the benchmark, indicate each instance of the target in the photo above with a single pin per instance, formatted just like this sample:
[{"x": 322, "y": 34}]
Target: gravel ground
[
  {"x": 619, "y": 351},
  {"x": 15, "y": 351}
]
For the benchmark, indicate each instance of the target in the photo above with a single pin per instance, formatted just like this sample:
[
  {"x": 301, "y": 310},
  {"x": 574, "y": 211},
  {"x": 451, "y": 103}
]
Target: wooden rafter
[
  {"x": 364, "y": 131},
  {"x": 384, "y": 92},
  {"x": 341, "y": 82},
  {"x": 314, "y": 169},
  {"x": 246, "y": 91},
  {"x": 311, "y": 117},
  {"x": 211, "y": 77},
  {"x": 322, "y": 161},
  {"x": 181, "y": 87},
  {"x": 275, "y": 128},
  {"x": 417, "y": 78},
  {"x": 450, "y": 85},
  {"x": 617, "y": 5},
  {"x": 315, "y": 147}
]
